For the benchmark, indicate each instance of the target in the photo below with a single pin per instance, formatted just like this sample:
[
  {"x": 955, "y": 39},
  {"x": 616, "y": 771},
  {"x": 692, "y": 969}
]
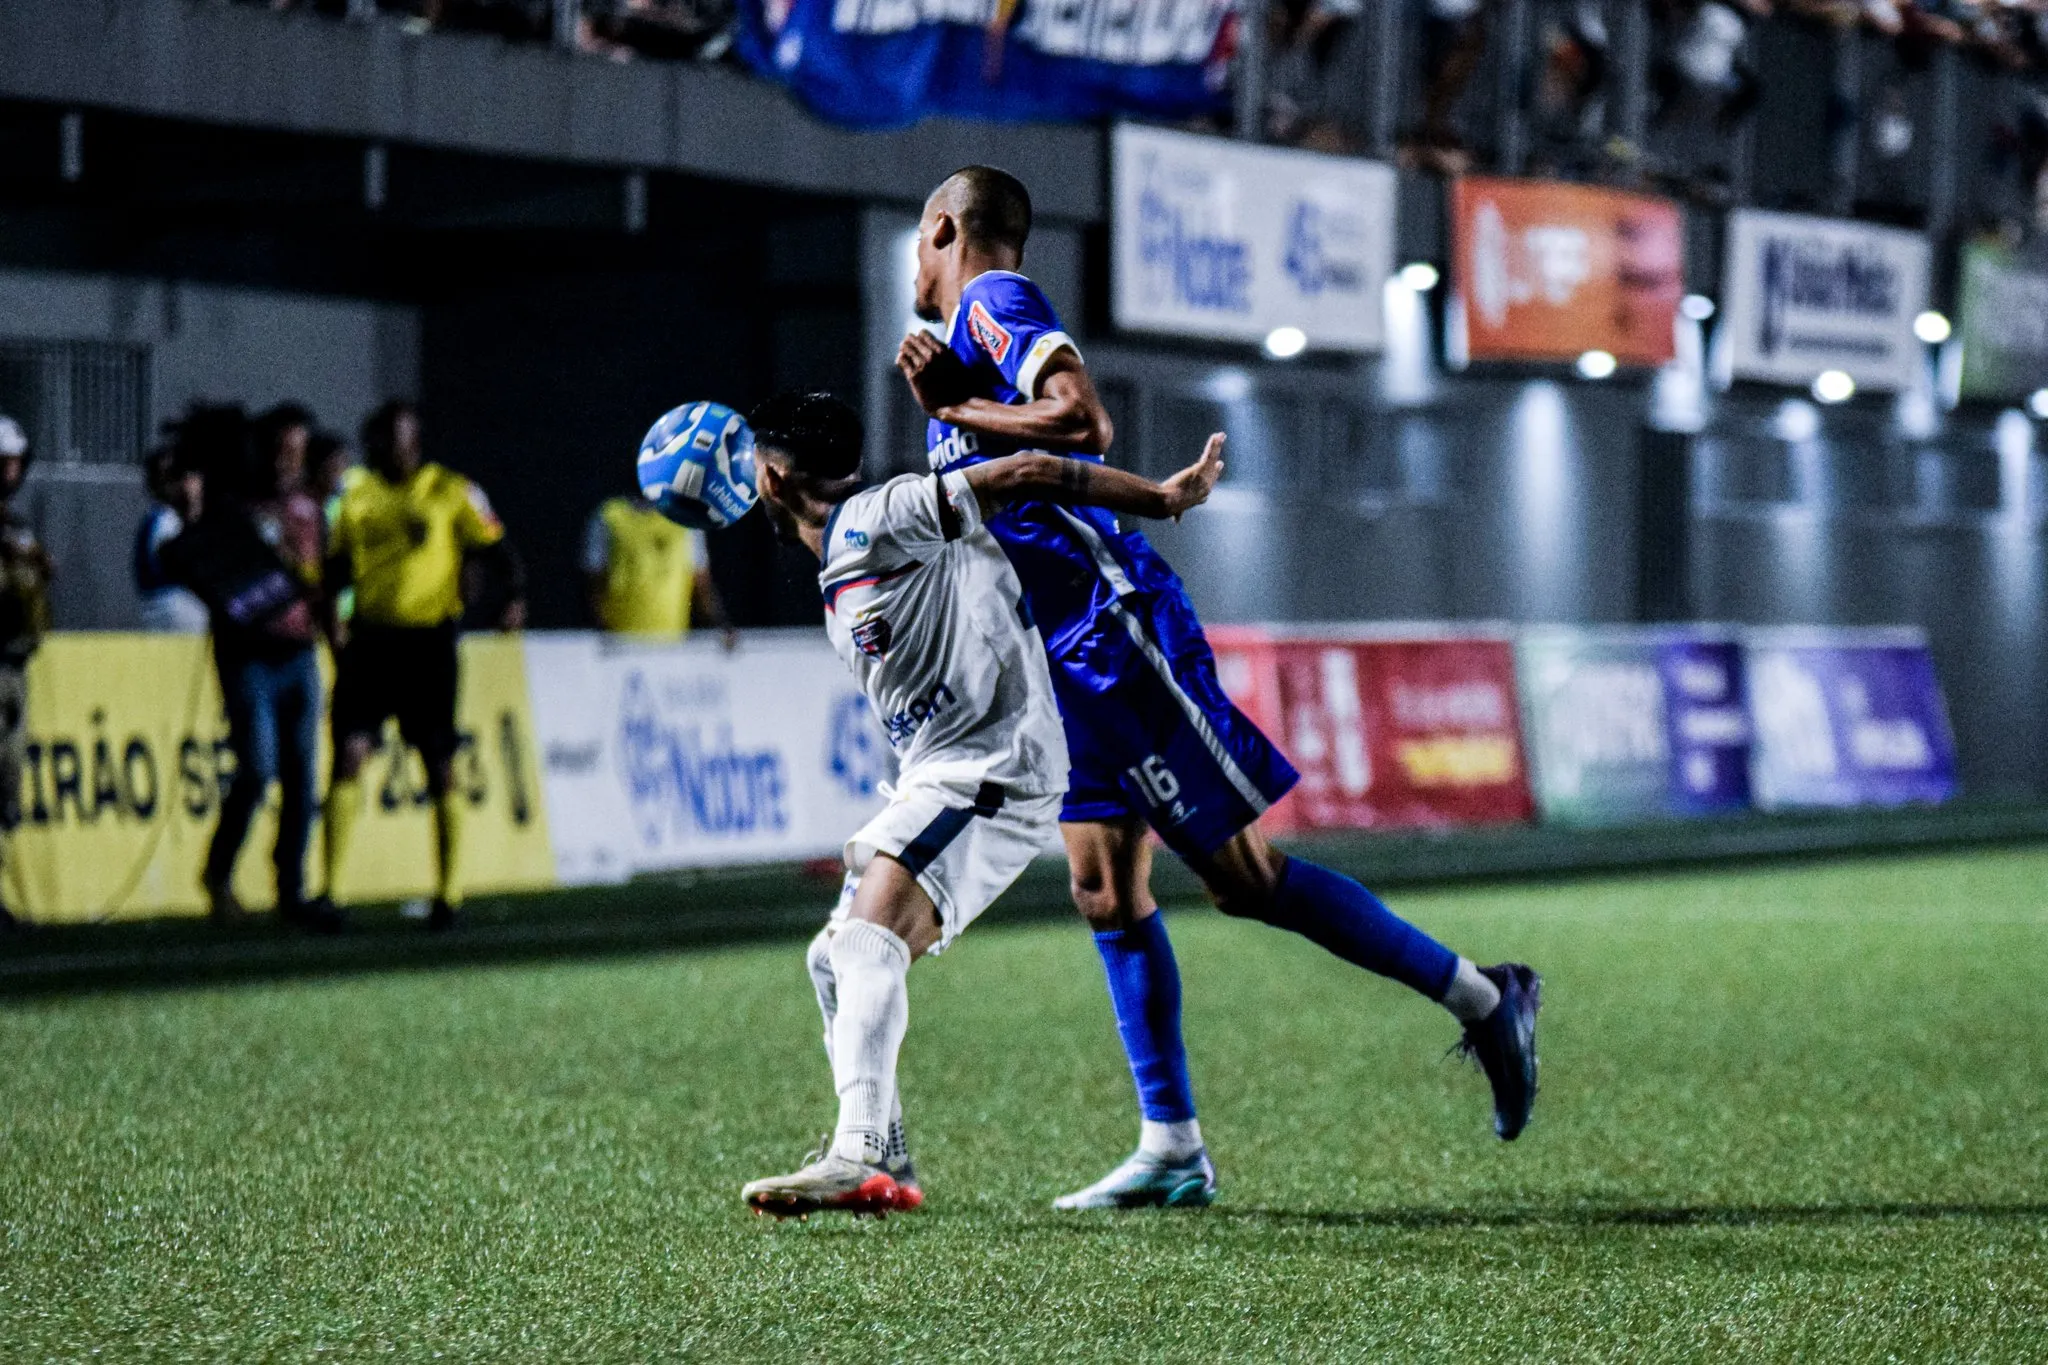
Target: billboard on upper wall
[
  {"x": 1802, "y": 295},
  {"x": 888, "y": 63},
  {"x": 2004, "y": 324},
  {"x": 1547, "y": 271},
  {"x": 1219, "y": 239}
]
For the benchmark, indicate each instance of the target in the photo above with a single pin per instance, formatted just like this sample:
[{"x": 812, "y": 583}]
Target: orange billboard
[{"x": 1549, "y": 271}]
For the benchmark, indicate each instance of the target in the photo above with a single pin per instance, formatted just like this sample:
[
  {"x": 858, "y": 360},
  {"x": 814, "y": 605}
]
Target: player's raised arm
[
  {"x": 1063, "y": 410},
  {"x": 1037, "y": 477}
]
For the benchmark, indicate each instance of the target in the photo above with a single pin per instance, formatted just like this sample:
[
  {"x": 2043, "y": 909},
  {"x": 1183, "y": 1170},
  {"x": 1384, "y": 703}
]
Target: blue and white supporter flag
[{"x": 888, "y": 63}]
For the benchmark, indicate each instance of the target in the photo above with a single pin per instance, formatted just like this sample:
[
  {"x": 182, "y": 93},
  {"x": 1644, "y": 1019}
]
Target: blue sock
[
  {"x": 1337, "y": 914},
  {"x": 1144, "y": 989}
]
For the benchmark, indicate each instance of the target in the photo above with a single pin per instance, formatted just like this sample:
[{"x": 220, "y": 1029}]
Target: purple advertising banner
[
  {"x": 1709, "y": 723},
  {"x": 1847, "y": 718},
  {"x": 1630, "y": 723}
]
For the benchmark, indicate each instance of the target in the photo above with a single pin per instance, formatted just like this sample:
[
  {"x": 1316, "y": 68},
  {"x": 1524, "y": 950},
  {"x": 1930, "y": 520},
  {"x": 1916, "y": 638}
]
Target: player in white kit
[{"x": 924, "y": 608}]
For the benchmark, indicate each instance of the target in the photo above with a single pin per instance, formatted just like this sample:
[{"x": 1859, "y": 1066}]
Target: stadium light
[
  {"x": 2038, "y": 404},
  {"x": 1931, "y": 327},
  {"x": 1227, "y": 385},
  {"x": 1285, "y": 343},
  {"x": 1796, "y": 420},
  {"x": 1697, "y": 307},
  {"x": 1834, "y": 386},
  {"x": 1420, "y": 276},
  {"x": 1597, "y": 364}
]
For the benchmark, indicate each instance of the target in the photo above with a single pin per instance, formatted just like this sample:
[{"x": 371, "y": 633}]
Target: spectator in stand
[
  {"x": 1702, "y": 65},
  {"x": 1453, "y": 45},
  {"x": 1302, "y": 107},
  {"x": 177, "y": 495},
  {"x": 648, "y": 576},
  {"x": 244, "y": 557},
  {"x": 25, "y": 574},
  {"x": 1568, "y": 79},
  {"x": 672, "y": 30}
]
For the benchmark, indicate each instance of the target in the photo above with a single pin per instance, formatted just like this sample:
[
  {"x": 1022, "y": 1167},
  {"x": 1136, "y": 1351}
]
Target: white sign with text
[
  {"x": 1803, "y": 295},
  {"x": 1218, "y": 239}
]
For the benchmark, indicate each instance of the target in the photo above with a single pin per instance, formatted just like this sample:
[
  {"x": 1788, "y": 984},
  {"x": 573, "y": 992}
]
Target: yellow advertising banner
[{"x": 127, "y": 760}]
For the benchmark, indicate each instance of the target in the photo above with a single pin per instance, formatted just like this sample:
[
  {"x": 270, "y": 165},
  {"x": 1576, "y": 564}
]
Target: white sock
[
  {"x": 869, "y": 964},
  {"x": 819, "y": 960},
  {"x": 1471, "y": 997},
  {"x": 1169, "y": 1141}
]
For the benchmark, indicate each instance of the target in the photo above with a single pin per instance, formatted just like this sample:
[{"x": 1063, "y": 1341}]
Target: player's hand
[
  {"x": 514, "y": 617},
  {"x": 1191, "y": 487},
  {"x": 937, "y": 378}
]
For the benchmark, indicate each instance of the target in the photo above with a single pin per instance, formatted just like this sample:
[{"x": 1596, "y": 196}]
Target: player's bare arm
[
  {"x": 1038, "y": 477},
  {"x": 1067, "y": 414}
]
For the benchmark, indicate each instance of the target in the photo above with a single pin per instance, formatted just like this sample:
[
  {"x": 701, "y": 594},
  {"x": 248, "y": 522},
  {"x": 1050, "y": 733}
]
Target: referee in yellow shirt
[
  {"x": 648, "y": 576},
  {"x": 400, "y": 536}
]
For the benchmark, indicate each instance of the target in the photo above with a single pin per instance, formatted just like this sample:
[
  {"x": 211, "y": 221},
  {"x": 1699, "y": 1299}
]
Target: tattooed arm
[{"x": 1034, "y": 477}]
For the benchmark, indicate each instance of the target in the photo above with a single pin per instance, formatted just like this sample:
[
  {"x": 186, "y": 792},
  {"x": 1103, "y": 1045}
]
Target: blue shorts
[{"x": 1161, "y": 741}]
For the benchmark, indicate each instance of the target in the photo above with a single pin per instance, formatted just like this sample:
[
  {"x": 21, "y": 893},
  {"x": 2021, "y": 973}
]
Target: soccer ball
[{"x": 696, "y": 465}]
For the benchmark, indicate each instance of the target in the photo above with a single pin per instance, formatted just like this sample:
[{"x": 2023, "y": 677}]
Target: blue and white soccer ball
[{"x": 696, "y": 465}]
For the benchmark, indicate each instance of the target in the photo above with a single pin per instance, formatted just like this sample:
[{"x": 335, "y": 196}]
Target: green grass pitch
[{"x": 1796, "y": 1113}]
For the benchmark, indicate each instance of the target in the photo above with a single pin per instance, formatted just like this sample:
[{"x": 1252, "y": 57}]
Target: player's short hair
[
  {"x": 380, "y": 430},
  {"x": 992, "y": 207},
  {"x": 819, "y": 434}
]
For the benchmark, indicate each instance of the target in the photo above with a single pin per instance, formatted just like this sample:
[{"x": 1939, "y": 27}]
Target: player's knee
[
  {"x": 1101, "y": 903},
  {"x": 1244, "y": 890}
]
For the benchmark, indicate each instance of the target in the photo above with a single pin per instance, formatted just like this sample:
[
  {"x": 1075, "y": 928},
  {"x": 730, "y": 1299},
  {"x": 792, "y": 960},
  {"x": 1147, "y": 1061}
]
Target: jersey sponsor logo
[
  {"x": 954, "y": 447},
  {"x": 873, "y": 635},
  {"x": 907, "y": 722},
  {"x": 857, "y": 539},
  {"x": 988, "y": 334}
]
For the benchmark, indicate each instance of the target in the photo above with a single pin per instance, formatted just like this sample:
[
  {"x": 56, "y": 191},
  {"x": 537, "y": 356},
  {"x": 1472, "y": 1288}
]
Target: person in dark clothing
[
  {"x": 253, "y": 557},
  {"x": 25, "y": 574}
]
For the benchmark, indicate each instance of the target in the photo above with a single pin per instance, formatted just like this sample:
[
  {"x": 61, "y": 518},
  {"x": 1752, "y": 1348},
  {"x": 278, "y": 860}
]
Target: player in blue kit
[{"x": 1153, "y": 739}]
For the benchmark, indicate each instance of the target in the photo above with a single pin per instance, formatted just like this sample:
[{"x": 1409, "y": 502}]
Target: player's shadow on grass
[{"x": 1680, "y": 1215}]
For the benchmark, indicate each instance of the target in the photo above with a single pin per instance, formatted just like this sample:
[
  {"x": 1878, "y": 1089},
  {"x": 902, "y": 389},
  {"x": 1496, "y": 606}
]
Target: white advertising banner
[
  {"x": 663, "y": 756},
  {"x": 1803, "y": 295},
  {"x": 1218, "y": 239}
]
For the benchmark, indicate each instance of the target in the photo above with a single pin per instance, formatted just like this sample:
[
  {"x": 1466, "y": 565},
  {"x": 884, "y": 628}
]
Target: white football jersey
[{"x": 934, "y": 627}]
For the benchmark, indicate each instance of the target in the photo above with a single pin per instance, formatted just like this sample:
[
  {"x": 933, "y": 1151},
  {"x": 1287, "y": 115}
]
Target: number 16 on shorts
[{"x": 1155, "y": 781}]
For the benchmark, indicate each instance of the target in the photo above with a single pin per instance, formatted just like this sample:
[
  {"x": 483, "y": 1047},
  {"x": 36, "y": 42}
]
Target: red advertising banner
[
  {"x": 1388, "y": 732},
  {"x": 1549, "y": 271}
]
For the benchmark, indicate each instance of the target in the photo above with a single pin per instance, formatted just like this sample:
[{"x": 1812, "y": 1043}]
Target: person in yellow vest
[
  {"x": 648, "y": 576},
  {"x": 402, "y": 532}
]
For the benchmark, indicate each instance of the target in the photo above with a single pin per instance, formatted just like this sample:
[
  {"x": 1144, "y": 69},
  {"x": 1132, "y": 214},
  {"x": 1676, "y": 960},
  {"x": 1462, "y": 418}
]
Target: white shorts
[{"x": 964, "y": 850}]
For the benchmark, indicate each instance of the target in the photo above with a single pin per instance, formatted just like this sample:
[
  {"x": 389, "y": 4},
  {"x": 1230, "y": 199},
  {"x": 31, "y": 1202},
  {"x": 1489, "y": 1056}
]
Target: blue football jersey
[{"x": 1074, "y": 562}]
